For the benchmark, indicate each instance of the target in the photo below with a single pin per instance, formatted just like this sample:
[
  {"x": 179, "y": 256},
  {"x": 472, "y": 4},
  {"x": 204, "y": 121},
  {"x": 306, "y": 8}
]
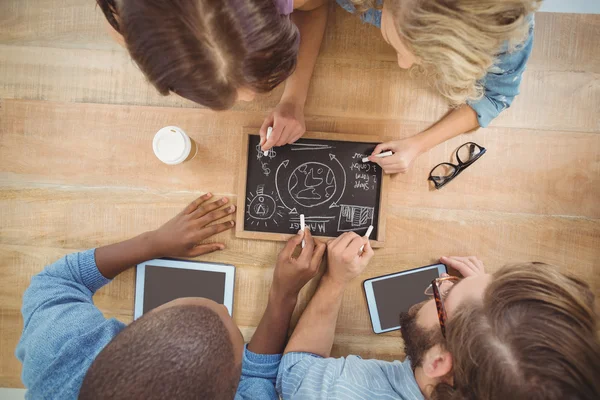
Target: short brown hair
[
  {"x": 533, "y": 337},
  {"x": 181, "y": 352},
  {"x": 204, "y": 50}
]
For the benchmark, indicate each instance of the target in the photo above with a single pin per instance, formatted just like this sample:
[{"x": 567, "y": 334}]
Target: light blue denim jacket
[{"x": 502, "y": 80}]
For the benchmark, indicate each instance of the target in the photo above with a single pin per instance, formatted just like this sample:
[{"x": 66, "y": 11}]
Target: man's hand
[
  {"x": 467, "y": 266},
  {"x": 344, "y": 258},
  {"x": 405, "y": 152},
  {"x": 291, "y": 274},
  {"x": 288, "y": 125},
  {"x": 182, "y": 236}
]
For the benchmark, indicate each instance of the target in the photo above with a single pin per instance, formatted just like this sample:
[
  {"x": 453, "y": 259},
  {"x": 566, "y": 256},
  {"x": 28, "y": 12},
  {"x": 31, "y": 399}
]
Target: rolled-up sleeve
[
  {"x": 307, "y": 375},
  {"x": 259, "y": 372},
  {"x": 501, "y": 84}
]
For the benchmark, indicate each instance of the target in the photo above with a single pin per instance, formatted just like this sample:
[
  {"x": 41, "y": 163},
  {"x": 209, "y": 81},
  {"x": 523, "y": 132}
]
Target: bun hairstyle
[
  {"x": 205, "y": 50},
  {"x": 457, "y": 41}
]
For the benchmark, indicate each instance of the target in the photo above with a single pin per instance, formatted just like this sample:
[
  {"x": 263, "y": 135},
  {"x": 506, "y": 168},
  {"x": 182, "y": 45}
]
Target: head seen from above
[
  {"x": 212, "y": 52},
  {"x": 452, "y": 42},
  {"x": 188, "y": 348},
  {"x": 502, "y": 333}
]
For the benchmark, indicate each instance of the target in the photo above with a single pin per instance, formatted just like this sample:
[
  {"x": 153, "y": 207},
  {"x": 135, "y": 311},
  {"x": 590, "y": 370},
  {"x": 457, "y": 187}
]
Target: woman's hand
[
  {"x": 288, "y": 125},
  {"x": 183, "y": 235},
  {"x": 405, "y": 152}
]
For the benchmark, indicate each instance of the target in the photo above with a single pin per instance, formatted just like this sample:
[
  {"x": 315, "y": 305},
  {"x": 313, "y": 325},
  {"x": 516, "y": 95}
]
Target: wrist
[
  {"x": 293, "y": 99},
  {"x": 333, "y": 285},
  {"x": 151, "y": 245},
  {"x": 282, "y": 299},
  {"x": 422, "y": 141}
]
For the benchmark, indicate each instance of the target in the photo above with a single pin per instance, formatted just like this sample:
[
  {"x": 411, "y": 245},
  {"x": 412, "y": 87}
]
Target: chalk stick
[
  {"x": 302, "y": 226},
  {"x": 380, "y": 155},
  {"x": 269, "y": 131},
  {"x": 367, "y": 235}
]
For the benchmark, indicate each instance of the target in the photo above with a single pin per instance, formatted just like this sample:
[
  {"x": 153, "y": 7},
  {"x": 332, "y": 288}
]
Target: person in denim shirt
[
  {"x": 189, "y": 348},
  {"x": 475, "y": 52}
]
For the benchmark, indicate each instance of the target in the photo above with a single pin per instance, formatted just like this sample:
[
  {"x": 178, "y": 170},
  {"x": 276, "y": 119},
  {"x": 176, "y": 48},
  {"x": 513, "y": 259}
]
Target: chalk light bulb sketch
[{"x": 263, "y": 208}]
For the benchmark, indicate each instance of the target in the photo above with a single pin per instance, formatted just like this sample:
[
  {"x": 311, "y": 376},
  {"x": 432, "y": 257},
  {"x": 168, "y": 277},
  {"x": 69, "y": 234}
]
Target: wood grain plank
[
  {"x": 54, "y": 23},
  {"x": 525, "y": 171},
  {"x": 79, "y": 219},
  {"x": 341, "y": 88},
  {"x": 566, "y": 42}
]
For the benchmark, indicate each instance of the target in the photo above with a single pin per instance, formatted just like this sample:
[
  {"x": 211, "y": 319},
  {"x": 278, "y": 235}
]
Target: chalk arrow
[
  {"x": 284, "y": 164},
  {"x": 333, "y": 157}
]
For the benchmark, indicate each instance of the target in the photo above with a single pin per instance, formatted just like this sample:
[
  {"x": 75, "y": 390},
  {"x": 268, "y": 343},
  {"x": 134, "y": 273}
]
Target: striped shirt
[{"x": 308, "y": 376}]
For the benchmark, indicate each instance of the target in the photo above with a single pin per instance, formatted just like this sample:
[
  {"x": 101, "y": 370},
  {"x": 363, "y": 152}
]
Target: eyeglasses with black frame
[
  {"x": 466, "y": 155},
  {"x": 439, "y": 289}
]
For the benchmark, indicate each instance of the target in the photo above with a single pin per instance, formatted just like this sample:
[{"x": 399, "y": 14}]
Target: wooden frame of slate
[{"x": 265, "y": 208}]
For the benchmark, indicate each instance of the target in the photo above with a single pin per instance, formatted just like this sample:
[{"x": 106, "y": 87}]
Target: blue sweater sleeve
[
  {"x": 259, "y": 372},
  {"x": 63, "y": 330},
  {"x": 501, "y": 84}
]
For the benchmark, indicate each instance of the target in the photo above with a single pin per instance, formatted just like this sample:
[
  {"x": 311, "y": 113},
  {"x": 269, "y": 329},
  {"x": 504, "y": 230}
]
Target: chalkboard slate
[{"x": 325, "y": 180}]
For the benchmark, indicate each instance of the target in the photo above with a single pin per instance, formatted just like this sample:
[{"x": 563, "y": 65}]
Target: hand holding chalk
[
  {"x": 269, "y": 132},
  {"x": 292, "y": 273},
  {"x": 367, "y": 235},
  {"x": 404, "y": 152},
  {"x": 344, "y": 260},
  {"x": 380, "y": 155}
]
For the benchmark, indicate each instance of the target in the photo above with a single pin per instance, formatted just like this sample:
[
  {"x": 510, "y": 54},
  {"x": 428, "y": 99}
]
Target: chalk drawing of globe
[{"x": 312, "y": 184}]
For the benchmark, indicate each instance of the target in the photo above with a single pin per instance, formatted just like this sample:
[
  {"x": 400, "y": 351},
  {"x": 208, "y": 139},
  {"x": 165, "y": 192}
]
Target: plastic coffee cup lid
[{"x": 171, "y": 145}]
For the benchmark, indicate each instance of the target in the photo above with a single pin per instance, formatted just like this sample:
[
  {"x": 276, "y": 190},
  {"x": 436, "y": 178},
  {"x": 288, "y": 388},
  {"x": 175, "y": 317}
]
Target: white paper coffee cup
[{"x": 172, "y": 146}]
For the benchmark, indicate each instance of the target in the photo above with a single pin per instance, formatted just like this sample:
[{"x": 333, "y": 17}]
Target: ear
[{"x": 437, "y": 362}]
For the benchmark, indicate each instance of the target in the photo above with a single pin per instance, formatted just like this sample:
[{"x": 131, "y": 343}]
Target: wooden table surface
[{"x": 77, "y": 170}]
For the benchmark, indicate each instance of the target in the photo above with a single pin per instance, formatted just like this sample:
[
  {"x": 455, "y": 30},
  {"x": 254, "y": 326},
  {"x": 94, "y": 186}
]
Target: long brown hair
[
  {"x": 533, "y": 337},
  {"x": 204, "y": 50}
]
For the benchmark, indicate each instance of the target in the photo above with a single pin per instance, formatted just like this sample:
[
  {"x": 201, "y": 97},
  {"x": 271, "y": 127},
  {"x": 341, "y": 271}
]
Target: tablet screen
[
  {"x": 397, "y": 294},
  {"x": 162, "y": 284}
]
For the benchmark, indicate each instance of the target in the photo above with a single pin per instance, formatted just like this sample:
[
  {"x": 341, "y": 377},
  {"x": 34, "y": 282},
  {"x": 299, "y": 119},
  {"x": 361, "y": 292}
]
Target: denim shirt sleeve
[
  {"x": 259, "y": 373},
  {"x": 63, "y": 330},
  {"x": 501, "y": 84}
]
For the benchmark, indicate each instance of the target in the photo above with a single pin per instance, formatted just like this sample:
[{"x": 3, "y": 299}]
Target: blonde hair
[{"x": 457, "y": 41}]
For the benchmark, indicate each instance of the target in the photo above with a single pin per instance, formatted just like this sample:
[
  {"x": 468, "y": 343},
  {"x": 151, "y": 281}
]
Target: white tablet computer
[
  {"x": 162, "y": 280},
  {"x": 389, "y": 295}
]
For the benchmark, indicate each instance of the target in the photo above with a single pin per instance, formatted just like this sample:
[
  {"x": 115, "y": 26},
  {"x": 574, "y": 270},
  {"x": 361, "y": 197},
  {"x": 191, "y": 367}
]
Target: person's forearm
[
  {"x": 113, "y": 259},
  {"x": 311, "y": 25},
  {"x": 316, "y": 329},
  {"x": 460, "y": 120},
  {"x": 271, "y": 333}
]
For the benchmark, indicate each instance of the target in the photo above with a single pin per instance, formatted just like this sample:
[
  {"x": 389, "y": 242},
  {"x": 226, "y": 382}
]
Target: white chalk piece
[
  {"x": 269, "y": 131},
  {"x": 367, "y": 235},
  {"x": 380, "y": 155},
  {"x": 302, "y": 226}
]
